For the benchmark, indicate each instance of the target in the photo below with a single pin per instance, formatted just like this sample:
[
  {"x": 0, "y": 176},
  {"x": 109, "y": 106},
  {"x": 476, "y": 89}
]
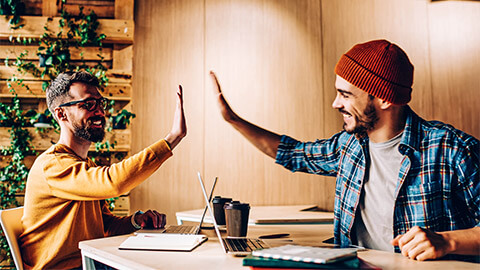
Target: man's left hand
[
  {"x": 151, "y": 219},
  {"x": 422, "y": 244}
]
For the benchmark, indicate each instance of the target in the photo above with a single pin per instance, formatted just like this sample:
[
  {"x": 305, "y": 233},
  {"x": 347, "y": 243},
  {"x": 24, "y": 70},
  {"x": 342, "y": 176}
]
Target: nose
[
  {"x": 99, "y": 111},
  {"x": 336, "y": 103}
]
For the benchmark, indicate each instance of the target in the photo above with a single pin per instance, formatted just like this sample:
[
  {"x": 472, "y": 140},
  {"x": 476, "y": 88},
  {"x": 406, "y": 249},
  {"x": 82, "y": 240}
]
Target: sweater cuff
[{"x": 161, "y": 149}]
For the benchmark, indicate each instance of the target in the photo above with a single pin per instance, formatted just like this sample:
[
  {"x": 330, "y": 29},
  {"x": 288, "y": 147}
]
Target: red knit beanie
[{"x": 379, "y": 68}]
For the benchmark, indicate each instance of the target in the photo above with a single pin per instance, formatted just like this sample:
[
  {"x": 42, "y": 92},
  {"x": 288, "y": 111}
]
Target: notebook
[
  {"x": 169, "y": 242},
  {"x": 236, "y": 246},
  {"x": 307, "y": 254},
  {"x": 181, "y": 229}
]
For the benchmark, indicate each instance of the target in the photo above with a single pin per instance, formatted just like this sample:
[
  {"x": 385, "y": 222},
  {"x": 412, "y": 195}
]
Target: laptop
[
  {"x": 181, "y": 229},
  {"x": 238, "y": 246}
]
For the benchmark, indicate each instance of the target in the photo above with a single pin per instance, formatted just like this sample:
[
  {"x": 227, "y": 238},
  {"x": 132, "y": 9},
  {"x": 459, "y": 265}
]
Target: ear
[
  {"x": 384, "y": 104},
  {"x": 60, "y": 114}
]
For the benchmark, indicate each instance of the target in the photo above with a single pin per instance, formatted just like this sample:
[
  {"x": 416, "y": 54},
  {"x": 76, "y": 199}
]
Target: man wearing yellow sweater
[{"x": 65, "y": 192}]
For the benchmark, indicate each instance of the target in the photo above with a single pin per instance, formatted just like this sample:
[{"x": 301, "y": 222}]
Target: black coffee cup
[
  {"x": 218, "y": 211},
  {"x": 236, "y": 214}
]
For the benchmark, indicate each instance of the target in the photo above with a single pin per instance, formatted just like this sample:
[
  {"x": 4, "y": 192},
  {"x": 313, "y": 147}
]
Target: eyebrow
[{"x": 345, "y": 92}]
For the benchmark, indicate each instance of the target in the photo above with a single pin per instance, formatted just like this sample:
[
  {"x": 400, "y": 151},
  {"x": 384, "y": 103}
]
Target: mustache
[
  {"x": 343, "y": 111},
  {"x": 97, "y": 118}
]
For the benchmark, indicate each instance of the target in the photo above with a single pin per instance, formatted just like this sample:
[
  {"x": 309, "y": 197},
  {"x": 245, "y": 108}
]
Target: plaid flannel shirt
[{"x": 438, "y": 183}]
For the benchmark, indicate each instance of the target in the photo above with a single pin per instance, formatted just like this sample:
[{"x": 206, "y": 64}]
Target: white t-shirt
[{"x": 374, "y": 221}]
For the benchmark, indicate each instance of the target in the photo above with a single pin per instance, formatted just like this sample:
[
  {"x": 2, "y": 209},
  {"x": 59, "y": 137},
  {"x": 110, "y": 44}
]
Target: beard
[
  {"x": 363, "y": 123},
  {"x": 87, "y": 132}
]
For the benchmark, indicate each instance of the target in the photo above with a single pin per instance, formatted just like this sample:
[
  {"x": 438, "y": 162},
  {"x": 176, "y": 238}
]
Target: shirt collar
[{"x": 411, "y": 138}]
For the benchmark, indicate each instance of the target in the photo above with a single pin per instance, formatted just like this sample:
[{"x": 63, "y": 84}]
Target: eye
[{"x": 89, "y": 104}]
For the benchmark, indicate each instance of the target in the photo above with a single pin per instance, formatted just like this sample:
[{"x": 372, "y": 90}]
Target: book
[
  {"x": 307, "y": 254},
  {"x": 265, "y": 263},
  {"x": 166, "y": 242}
]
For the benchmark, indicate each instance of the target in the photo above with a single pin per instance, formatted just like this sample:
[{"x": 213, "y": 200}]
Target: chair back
[{"x": 11, "y": 221}]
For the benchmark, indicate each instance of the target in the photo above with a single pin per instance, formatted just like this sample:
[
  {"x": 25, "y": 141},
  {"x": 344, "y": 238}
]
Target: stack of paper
[{"x": 173, "y": 242}]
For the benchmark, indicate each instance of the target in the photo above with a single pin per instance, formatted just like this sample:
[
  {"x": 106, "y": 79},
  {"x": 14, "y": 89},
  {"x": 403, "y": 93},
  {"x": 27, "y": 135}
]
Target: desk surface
[
  {"x": 269, "y": 215},
  {"x": 210, "y": 255}
]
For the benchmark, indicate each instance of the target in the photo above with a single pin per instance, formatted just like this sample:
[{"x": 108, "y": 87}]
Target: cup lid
[{"x": 236, "y": 205}]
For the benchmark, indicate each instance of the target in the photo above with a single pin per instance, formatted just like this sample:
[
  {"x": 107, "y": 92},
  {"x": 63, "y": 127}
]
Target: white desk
[
  {"x": 210, "y": 254},
  {"x": 261, "y": 215}
]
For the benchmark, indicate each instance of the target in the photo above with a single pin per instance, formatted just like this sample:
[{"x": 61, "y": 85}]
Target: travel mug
[
  {"x": 236, "y": 214},
  {"x": 218, "y": 211}
]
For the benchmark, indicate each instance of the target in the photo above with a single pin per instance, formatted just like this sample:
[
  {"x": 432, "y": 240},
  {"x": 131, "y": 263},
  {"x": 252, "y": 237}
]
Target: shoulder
[{"x": 436, "y": 131}]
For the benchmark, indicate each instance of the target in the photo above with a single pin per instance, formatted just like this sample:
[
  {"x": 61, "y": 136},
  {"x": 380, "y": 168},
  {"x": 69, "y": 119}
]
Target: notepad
[{"x": 168, "y": 242}]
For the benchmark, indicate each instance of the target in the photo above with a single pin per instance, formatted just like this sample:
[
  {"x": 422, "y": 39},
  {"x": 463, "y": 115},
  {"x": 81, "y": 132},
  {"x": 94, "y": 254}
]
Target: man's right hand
[
  {"x": 228, "y": 114},
  {"x": 266, "y": 141}
]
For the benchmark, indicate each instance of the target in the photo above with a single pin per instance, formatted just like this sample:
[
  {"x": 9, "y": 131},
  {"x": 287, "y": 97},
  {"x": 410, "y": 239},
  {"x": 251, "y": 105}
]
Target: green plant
[
  {"x": 76, "y": 32},
  {"x": 122, "y": 119},
  {"x": 14, "y": 174},
  {"x": 15, "y": 8}
]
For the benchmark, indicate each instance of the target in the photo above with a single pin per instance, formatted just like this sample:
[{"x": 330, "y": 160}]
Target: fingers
[
  {"x": 180, "y": 94},
  {"x": 215, "y": 82},
  {"x": 421, "y": 244},
  {"x": 153, "y": 218}
]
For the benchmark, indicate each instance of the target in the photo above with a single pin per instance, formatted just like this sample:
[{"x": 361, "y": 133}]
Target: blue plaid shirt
[{"x": 438, "y": 183}]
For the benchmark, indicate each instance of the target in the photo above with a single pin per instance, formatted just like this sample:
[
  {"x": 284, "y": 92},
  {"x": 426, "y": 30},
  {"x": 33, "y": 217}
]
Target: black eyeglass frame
[{"x": 97, "y": 100}]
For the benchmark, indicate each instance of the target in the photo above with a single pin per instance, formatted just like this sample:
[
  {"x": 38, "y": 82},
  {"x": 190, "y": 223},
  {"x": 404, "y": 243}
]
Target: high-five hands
[
  {"x": 179, "y": 127},
  {"x": 228, "y": 114}
]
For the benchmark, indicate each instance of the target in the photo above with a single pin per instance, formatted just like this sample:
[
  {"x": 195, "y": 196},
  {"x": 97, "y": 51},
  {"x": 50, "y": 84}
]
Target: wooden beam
[
  {"x": 49, "y": 8},
  {"x": 117, "y": 31},
  {"x": 124, "y": 9},
  {"x": 115, "y": 91},
  {"x": 42, "y": 141},
  {"x": 122, "y": 57},
  {"x": 114, "y": 76},
  {"x": 89, "y": 53}
]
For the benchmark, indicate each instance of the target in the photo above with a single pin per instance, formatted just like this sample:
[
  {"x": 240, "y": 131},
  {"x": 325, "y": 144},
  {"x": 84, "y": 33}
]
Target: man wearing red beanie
[{"x": 403, "y": 184}]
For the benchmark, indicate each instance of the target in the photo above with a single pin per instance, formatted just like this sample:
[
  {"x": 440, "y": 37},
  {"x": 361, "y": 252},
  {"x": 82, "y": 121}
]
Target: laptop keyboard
[
  {"x": 244, "y": 244},
  {"x": 181, "y": 229}
]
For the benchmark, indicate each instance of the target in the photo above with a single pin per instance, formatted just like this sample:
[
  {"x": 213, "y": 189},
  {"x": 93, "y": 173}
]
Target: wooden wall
[{"x": 275, "y": 61}]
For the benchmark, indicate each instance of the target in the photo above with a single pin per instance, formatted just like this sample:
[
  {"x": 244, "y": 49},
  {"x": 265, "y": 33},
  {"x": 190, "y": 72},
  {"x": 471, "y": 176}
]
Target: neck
[
  {"x": 389, "y": 125},
  {"x": 78, "y": 145}
]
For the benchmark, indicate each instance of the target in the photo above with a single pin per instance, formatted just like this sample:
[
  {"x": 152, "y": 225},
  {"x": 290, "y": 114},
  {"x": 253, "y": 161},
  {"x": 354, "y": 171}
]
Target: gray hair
[{"x": 59, "y": 88}]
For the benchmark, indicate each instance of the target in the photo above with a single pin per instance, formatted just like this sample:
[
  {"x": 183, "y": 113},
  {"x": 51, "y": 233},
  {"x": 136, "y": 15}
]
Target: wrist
[
  {"x": 134, "y": 222},
  {"x": 451, "y": 242}
]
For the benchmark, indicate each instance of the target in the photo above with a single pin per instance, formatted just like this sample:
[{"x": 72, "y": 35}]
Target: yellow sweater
[{"x": 64, "y": 202}]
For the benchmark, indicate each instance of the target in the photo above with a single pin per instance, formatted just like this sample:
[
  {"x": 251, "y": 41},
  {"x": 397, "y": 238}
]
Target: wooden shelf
[
  {"x": 117, "y": 31},
  {"x": 42, "y": 141}
]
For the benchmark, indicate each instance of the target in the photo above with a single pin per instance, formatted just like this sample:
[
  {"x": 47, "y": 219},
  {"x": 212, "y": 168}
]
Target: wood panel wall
[{"x": 275, "y": 61}]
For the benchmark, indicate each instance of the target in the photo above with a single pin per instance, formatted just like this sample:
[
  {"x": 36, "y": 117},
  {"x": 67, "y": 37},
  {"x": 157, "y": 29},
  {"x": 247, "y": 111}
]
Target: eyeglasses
[{"x": 89, "y": 104}]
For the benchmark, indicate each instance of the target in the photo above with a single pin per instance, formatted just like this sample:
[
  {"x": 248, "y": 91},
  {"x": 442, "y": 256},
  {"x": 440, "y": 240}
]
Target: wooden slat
[
  {"x": 122, "y": 57},
  {"x": 107, "y": 11},
  {"x": 115, "y": 76},
  {"x": 49, "y": 8},
  {"x": 89, "y": 53},
  {"x": 124, "y": 9},
  {"x": 115, "y": 91},
  {"x": 117, "y": 31},
  {"x": 42, "y": 141}
]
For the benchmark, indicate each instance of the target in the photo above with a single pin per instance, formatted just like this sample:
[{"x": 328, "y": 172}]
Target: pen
[{"x": 270, "y": 236}]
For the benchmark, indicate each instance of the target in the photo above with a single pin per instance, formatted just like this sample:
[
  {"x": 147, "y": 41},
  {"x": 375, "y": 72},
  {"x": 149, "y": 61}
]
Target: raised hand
[
  {"x": 227, "y": 112},
  {"x": 179, "y": 127}
]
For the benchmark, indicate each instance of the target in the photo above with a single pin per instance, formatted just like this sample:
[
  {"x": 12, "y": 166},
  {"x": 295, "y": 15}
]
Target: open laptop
[
  {"x": 182, "y": 229},
  {"x": 238, "y": 246}
]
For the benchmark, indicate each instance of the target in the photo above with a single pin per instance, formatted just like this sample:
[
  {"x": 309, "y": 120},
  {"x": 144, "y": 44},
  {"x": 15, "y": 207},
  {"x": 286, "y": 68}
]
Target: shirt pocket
[{"x": 424, "y": 205}]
